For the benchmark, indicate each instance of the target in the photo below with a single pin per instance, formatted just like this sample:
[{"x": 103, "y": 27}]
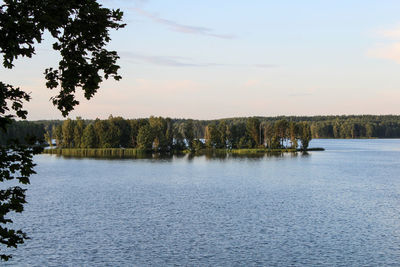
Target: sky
[{"x": 217, "y": 59}]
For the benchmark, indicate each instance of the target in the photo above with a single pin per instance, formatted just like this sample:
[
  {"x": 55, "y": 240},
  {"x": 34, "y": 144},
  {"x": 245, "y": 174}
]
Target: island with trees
[
  {"x": 117, "y": 136},
  {"x": 128, "y": 137},
  {"x": 165, "y": 135}
]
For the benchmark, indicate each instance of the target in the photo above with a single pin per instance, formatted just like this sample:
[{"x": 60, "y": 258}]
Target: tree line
[
  {"x": 165, "y": 134},
  {"x": 22, "y": 132},
  {"x": 358, "y": 127},
  {"x": 345, "y": 126}
]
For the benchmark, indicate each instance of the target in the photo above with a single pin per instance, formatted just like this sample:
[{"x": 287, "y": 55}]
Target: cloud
[
  {"x": 177, "y": 61},
  {"x": 393, "y": 33},
  {"x": 175, "y": 26},
  {"x": 165, "y": 88},
  {"x": 266, "y": 66},
  {"x": 386, "y": 51},
  {"x": 130, "y": 2},
  {"x": 299, "y": 94},
  {"x": 389, "y": 49},
  {"x": 172, "y": 61},
  {"x": 305, "y": 92}
]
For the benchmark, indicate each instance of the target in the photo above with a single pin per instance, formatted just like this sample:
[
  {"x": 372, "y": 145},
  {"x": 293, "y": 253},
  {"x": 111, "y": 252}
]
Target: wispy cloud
[
  {"x": 172, "y": 61},
  {"x": 178, "y": 61},
  {"x": 386, "y": 51},
  {"x": 299, "y": 94},
  {"x": 130, "y": 2},
  {"x": 389, "y": 49},
  {"x": 266, "y": 66},
  {"x": 166, "y": 87},
  {"x": 175, "y": 26},
  {"x": 303, "y": 92},
  {"x": 393, "y": 33}
]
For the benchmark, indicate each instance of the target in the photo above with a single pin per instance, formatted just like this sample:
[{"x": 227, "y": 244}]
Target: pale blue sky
[{"x": 214, "y": 59}]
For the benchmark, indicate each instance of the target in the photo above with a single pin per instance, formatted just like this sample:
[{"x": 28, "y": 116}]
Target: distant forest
[{"x": 162, "y": 134}]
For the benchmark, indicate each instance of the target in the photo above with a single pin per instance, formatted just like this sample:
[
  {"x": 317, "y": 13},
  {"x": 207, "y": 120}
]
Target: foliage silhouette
[{"x": 81, "y": 32}]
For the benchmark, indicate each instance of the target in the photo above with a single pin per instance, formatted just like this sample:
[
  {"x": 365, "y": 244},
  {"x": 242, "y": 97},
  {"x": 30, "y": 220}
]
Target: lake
[{"x": 339, "y": 207}]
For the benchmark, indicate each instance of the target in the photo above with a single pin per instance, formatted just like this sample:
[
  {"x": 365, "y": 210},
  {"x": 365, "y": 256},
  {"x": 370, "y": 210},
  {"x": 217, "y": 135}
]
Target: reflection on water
[
  {"x": 340, "y": 207},
  {"x": 207, "y": 154}
]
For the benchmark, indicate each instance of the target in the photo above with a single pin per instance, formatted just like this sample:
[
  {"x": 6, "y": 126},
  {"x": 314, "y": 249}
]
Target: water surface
[{"x": 340, "y": 207}]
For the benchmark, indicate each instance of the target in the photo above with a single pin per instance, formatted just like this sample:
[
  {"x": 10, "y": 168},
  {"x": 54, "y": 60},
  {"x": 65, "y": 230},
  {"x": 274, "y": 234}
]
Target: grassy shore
[
  {"x": 138, "y": 153},
  {"x": 96, "y": 152}
]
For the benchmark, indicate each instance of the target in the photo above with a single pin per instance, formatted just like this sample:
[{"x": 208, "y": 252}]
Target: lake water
[{"x": 340, "y": 207}]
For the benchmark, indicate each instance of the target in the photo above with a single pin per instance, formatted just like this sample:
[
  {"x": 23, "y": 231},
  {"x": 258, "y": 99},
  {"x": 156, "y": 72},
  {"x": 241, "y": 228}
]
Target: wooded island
[{"x": 157, "y": 134}]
